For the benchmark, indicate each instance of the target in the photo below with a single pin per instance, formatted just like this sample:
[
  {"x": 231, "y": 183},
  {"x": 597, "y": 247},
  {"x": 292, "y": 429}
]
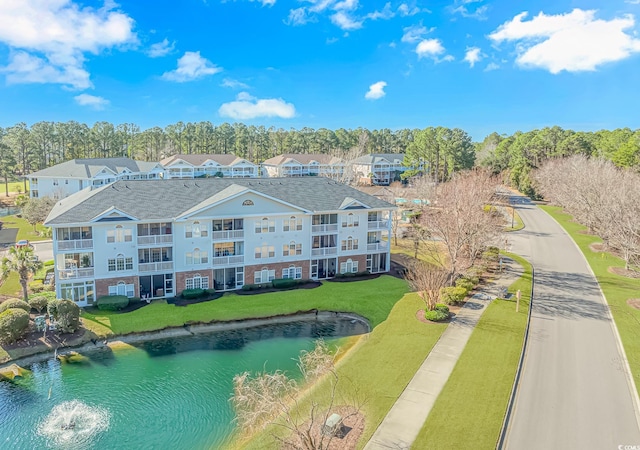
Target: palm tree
[{"x": 23, "y": 261}]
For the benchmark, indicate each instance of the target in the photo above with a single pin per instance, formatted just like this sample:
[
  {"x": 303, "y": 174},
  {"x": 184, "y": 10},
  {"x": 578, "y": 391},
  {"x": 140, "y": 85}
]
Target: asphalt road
[{"x": 575, "y": 392}]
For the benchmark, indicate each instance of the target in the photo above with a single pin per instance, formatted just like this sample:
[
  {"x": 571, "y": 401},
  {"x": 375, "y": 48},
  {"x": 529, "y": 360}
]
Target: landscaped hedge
[
  {"x": 284, "y": 283},
  {"x": 66, "y": 314},
  {"x": 112, "y": 302},
  {"x": 436, "y": 315},
  {"x": 353, "y": 274},
  {"x": 192, "y": 293},
  {"x": 36, "y": 286},
  {"x": 255, "y": 287},
  {"x": 13, "y": 323},
  {"x": 14, "y": 303},
  {"x": 452, "y": 295},
  {"x": 466, "y": 283},
  {"x": 39, "y": 302}
]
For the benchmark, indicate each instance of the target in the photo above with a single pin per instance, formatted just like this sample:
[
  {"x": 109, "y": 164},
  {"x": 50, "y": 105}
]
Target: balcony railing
[
  {"x": 156, "y": 266},
  {"x": 155, "y": 239},
  {"x": 75, "y": 244},
  {"x": 378, "y": 225},
  {"x": 324, "y": 251},
  {"x": 324, "y": 228},
  {"x": 68, "y": 274},
  {"x": 228, "y": 235},
  {"x": 228, "y": 260},
  {"x": 377, "y": 246}
]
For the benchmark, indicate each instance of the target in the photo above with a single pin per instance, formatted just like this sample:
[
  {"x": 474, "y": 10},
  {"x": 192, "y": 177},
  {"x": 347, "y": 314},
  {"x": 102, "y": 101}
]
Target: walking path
[{"x": 402, "y": 424}]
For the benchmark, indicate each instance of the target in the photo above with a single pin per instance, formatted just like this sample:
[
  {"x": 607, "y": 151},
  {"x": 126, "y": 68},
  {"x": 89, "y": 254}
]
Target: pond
[
  {"x": 170, "y": 393},
  {"x": 9, "y": 211}
]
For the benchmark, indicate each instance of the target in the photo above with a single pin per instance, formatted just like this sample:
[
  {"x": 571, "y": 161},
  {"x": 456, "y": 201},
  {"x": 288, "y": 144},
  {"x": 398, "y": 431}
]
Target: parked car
[{"x": 23, "y": 243}]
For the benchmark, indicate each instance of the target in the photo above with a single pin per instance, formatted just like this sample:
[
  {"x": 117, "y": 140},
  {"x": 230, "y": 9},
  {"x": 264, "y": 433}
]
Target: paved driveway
[{"x": 574, "y": 391}]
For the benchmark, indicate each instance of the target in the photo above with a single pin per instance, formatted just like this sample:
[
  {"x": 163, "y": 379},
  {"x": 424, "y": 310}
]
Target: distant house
[
  {"x": 302, "y": 165},
  {"x": 153, "y": 239},
  {"x": 208, "y": 165},
  {"x": 380, "y": 168},
  {"x": 69, "y": 177}
]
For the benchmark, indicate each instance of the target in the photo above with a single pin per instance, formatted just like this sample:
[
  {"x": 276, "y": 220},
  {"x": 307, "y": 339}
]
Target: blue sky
[{"x": 476, "y": 64}]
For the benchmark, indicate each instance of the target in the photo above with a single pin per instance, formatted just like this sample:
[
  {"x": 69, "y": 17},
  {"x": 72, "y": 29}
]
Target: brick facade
[
  {"x": 181, "y": 278},
  {"x": 362, "y": 261},
  {"x": 249, "y": 271},
  {"x": 102, "y": 285}
]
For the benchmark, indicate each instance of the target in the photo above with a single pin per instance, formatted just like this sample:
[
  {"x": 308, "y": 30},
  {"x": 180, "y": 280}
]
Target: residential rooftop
[{"x": 90, "y": 167}]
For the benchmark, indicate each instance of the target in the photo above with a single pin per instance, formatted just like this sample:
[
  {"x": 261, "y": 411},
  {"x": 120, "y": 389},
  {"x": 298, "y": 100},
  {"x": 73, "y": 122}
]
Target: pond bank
[{"x": 184, "y": 331}]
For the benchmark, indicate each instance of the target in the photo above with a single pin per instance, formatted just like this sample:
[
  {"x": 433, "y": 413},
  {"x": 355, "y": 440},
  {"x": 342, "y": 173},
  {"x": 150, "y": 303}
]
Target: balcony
[
  {"x": 228, "y": 260},
  {"x": 165, "y": 266},
  {"x": 324, "y": 228},
  {"x": 378, "y": 225},
  {"x": 155, "y": 239},
  {"x": 70, "y": 274},
  {"x": 324, "y": 251},
  {"x": 378, "y": 246},
  {"x": 230, "y": 235},
  {"x": 75, "y": 244}
]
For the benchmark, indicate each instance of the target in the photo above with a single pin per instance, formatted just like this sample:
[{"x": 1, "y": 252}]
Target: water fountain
[{"x": 73, "y": 424}]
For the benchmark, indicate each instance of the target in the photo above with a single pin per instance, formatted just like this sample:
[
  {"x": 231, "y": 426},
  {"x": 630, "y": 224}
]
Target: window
[
  {"x": 119, "y": 263},
  {"x": 373, "y": 216},
  {"x": 82, "y": 292},
  {"x": 122, "y": 289},
  {"x": 228, "y": 224},
  {"x": 195, "y": 230},
  {"x": 291, "y": 249},
  {"x": 265, "y": 251},
  {"x": 265, "y": 226},
  {"x": 197, "y": 282},
  {"x": 350, "y": 220},
  {"x": 349, "y": 244},
  {"x": 292, "y": 224},
  {"x": 119, "y": 234},
  {"x": 197, "y": 257},
  {"x": 55, "y": 182},
  {"x": 292, "y": 272},
  {"x": 264, "y": 276},
  {"x": 349, "y": 266}
]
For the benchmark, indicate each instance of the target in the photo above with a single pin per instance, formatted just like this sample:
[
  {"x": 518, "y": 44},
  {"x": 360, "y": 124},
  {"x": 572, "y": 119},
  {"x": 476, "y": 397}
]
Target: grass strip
[
  {"x": 470, "y": 409},
  {"x": 616, "y": 288},
  {"x": 25, "y": 229},
  {"x": 378, "y": 367}
]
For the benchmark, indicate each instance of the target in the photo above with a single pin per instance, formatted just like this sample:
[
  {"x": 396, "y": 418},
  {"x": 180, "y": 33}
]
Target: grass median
[
  {"x": 616, "y": 288},
  {"x": 470, "y": 409}
]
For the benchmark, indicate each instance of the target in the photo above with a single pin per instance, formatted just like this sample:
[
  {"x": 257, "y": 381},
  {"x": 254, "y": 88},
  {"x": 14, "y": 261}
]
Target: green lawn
[
  {"x": 379, "y": 366},
  {"x": 518, "y": 224},
  {"x": 372, "y": 299},
  {"x": 25, "y": 230},
  {"x": 11, "y": 286},
  {"x": 470, "y": 409},
  {"x": 617, "y": 289},
  {"x": 14, "y": 186}
]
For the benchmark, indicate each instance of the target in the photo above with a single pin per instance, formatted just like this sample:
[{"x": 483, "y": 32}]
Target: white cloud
[
  {"x": 247, "y": 107},
  {"x": 376, "y": 91},
  {"x": 574, "y": 41},
  {"x": 191, "y": 66},
  {"x": 298, "y": 17},
  {"x": 414, "y": 33},
  {"x": 473, "y": 55},
  {"x": 385, "y": 14},
  {"x": 465, "y": 9},
  {"x": 491, "y": 66},
  {"x": 405, "y": 10},
  {"x": 91, "y": 100},
  {"x": 345, "y": 22},
  {"x": 160, "y": 49},
  {"x": 233, "y": 84},
  {"x": 429, "y": 48},
  {"x": 49, "y": 39}
]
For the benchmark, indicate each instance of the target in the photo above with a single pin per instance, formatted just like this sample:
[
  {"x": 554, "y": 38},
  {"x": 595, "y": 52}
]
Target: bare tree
[{"x": 427, "y": 280}]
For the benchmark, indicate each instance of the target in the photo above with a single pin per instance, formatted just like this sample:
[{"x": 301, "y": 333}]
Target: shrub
[
  {"x": 36, "y": 286},
  {"x": 452, "y": 295},
  {"x": 210, "y": 291},
  {"x": 112, "y": 302},
  {"x": 13, "y": 323},
  {"x": 284, "y": 283},
  {"x": 47, "y": 295},
  {"x": 15, "y": 303},
  {"x": 491, "y": 254},
  {"x": 251, "y": 287},
  {"x": 38, "y": 302},
  {"x": 437, "y": 315},
  {"x": 192, "y": 293},
  {"x": 465, "y": 283},
  {"x": 442, "y": 307},
  {"x": 66, "y": 313},
  {"x": 49, "y": 263}
]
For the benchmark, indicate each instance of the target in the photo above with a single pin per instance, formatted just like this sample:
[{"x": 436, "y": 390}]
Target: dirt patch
[
  {"x": 347, "y": 436},
  {"x": 624, "y": 272},
  {"x": 634, "y": 303},
  {"x": 597, "y": 247},
  {"x": 309, "y": 285}
]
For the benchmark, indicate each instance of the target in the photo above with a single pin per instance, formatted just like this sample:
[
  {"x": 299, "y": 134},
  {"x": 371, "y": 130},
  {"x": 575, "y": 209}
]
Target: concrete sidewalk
[{"x": 402, "y": 424}]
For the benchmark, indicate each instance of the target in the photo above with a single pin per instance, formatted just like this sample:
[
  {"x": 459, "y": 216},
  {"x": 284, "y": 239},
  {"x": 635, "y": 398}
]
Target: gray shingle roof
[
  {"x": 169, "y": 199},
  {"x": 227, "y": 159},
  {"x": 379, "y": 157},
  {"x": 88, "y": 168},
  {"x": 302, "y": 158}
]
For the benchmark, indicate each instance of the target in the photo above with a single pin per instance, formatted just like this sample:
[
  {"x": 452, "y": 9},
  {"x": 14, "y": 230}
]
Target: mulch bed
[
  {"x": 346, "y": 439},
  {"x": 624, "y": 272},
  {"x": 309, "y": 285},
  {"x": 358, "y": 278},
  {"x": 634, "y": 303},
  {"x": 36, "y": 338},
  {"x": 179, "y": 301},
  {"x": 597, "y": 247},
  {"x": 453, "y": 311}
]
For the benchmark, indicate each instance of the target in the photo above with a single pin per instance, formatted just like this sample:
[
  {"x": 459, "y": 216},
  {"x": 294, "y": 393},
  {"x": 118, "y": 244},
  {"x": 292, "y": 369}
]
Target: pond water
[
  {"x": 9, "y": 211},
  {"x": 170, "y": 393}
]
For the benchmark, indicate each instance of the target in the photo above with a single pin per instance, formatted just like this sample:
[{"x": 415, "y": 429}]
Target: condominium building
[
  {"x": 153, "y": 239},
  {"x": 205, "y": 165},
  {"x": 69, "y": 177},
  {"x": 300, "y": 165},
  {"x": 381, "y": 169}
]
